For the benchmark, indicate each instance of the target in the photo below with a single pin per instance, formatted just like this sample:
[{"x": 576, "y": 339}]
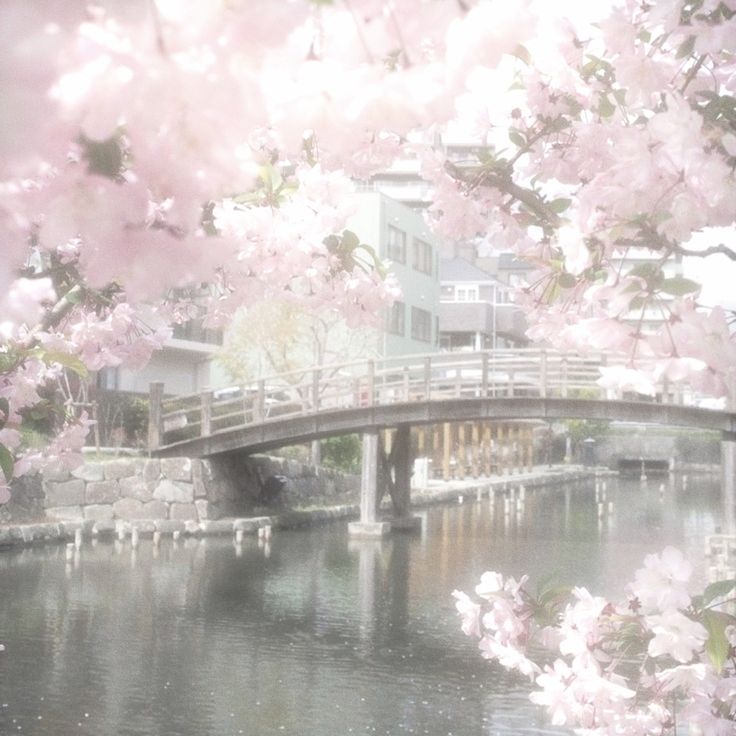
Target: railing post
[
  {"x": 564, "y": 376},
  {"x": 371, "y": 382},
  {"x": 511, "y": 382},
  {"x": 484, "y": 375},
  {"x": 543, "y": 374},
  {"x": 406, "y": 382},
  {"x": 316, "y": 375},
  {"x": 155, "y": 424},
  {"x": 602, "y": 363},
  {"x": 205, "y": 422},
  {"x": 665, "y": 389},
  {"x": 259, "y": 407},
  {"x": 427, "y": 378}
]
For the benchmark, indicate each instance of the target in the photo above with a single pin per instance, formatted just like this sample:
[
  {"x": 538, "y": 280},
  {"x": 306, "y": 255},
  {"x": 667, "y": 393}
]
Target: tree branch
[
  {"x": 62, "y": 308},
  {"x": 713, "y": 250}
]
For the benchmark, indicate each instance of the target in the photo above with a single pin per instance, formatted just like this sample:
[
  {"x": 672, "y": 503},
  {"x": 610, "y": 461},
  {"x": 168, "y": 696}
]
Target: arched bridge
[
  {"x": 296, "y": 407},
  {"x": 367, "y": 396}
]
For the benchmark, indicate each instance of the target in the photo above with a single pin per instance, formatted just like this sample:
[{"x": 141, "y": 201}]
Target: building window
[
  {"x": 422, "y": 256},
  {"x": 466, "y": 293},
  {"x": 502, "y": 296},
  {"x": 421, "y": 324},
  {"x": 194, "y": 331},
  {"x": 396, "y": 250},
  {"x": 517, "y": 279},
  {"x": 396, "y": 319},
  {"x": 108, "y": 379}
]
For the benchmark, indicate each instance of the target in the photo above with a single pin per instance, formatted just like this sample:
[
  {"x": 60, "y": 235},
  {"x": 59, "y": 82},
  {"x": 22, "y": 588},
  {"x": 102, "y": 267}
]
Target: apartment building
[{"x": 476, "y": 310}]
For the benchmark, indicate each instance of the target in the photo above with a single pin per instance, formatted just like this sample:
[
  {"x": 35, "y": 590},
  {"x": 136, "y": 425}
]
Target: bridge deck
[{"x": 331, "y": 400}]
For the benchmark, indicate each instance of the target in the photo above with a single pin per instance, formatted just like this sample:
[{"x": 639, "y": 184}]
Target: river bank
[{"x": 436, "y": 492}]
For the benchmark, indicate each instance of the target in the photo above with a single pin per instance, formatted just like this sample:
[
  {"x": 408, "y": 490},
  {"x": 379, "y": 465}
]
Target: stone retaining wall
[
  {"x": 139, "y": 488},
  {"x": 176, "y": 489}
]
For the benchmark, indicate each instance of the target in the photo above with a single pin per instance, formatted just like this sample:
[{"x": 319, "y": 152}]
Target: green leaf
[
  {"x": 719, "y": 589},
  {"x": 6, "y": 462},
  {"x": 5, "y": 409},
  {"x": 567, "y": 281},
  {"x": 555, "y": 595},
  {"x": 620, "y": 95},
  {"x": 72, "y": 362},
  {"x": 717, "y": 646},
  {"x": 679, "y": 286},
  {"x": 650, "y": 272},
  {"x": 74, "y": 295},
  {"x": 271, "y": 177},
  {"x": 350, "y": 240},
  {"x": 686, "y": 47},
  {"x": 605, "y": 107},
  {"x": 517, "y": 138},
  {"x": 558, "y": 206},
  {"x": 522, "y": 52}
]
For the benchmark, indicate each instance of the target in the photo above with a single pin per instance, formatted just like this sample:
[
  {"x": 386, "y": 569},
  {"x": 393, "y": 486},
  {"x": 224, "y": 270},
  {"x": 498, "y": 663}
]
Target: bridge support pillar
[
  {"x": 369, "y": 526},
  {"x": 403, "y": 462},
  {"x": 728, "y": 482}
]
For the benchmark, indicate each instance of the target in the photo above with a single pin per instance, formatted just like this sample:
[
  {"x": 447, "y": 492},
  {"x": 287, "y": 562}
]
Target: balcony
[{"x": 479, "y": 317}]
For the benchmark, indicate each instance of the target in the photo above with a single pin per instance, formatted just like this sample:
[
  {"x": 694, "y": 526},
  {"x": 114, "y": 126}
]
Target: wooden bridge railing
[{"x": 531, "y": 372}]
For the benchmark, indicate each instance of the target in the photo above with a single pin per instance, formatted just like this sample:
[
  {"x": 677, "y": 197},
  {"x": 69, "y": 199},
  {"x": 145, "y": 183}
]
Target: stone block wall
[
  {"x": 306, "y": 485},
  {"x": 179, "y": 489},
  {"x": 176, "y": 489}
]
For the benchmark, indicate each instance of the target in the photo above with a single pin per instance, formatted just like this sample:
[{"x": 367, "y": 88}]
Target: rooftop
[{"x": 458, "y": 269}]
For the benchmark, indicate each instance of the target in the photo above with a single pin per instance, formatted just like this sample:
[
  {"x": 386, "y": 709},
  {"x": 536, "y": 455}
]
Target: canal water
[{"x": 314, "y": 634}]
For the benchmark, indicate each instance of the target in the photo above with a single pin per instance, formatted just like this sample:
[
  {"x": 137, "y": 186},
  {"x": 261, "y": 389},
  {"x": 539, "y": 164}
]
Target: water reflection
[{"x": 312, "y": 633}]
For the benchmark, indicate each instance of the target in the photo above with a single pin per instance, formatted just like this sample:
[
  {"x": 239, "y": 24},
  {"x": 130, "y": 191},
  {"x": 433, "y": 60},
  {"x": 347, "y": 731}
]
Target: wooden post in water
[
  {"x": 461, "y": 459},
  {"x": 487, "y": 448},
  {"x": 476, "y": 449},
  {"x": 155, "y": 423},
  {"x": 513, "y": 447}
]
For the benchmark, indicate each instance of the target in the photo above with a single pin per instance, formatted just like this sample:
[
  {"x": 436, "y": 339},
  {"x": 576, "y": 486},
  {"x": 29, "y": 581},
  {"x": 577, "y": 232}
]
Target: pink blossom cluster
[
  {"x": 634, "y": 668},
  {"x": 156, "y": 147}
]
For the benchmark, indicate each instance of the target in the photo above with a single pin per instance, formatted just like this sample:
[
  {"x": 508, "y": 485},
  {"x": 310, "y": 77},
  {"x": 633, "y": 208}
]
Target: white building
[
  {"x": 401, "y": 236},
  {"x": 476, "y": 311}
]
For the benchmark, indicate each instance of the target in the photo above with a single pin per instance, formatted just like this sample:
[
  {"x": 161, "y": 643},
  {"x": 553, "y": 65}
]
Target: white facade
[
  {"x": 183, "y": 366},
  {"x": 400, "y": 235}
]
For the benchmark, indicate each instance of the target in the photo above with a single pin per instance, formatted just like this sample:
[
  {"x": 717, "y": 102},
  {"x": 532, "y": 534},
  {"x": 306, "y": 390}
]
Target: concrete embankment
[{"x": 436, "y": 492}]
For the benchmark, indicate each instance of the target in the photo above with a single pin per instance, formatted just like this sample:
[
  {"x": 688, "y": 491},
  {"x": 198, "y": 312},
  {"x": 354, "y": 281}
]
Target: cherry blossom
[
  {"x": 675, "y": 635},
  {"x": 632, "y": 669},
  {"x": 663, "y": 581}
]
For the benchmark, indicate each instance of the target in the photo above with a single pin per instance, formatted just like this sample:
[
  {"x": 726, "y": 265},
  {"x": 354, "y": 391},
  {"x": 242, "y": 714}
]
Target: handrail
[{"x": 524, "y": 372}]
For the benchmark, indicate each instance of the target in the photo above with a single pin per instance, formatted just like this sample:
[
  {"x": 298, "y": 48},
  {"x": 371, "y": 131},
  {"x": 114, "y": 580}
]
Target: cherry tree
[{"x": 155, "y": 148}]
